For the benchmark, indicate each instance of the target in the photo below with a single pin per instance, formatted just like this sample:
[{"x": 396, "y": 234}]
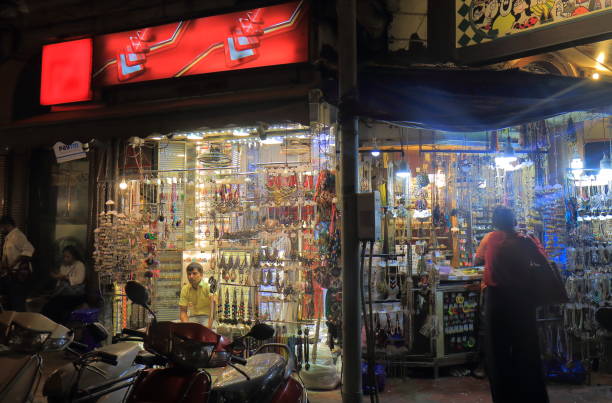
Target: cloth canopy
[{"x": 473, "y": 100}]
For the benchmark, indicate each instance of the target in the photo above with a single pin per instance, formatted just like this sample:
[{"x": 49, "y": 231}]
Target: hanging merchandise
[
  {"x": 258, "y": 216},
  {"x": 426, "y": 302}
]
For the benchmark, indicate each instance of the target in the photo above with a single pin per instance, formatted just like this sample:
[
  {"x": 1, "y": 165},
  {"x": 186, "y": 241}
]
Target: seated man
[
  {"x": 195, "y": 303},
  {"x": 15, "y": 268}
]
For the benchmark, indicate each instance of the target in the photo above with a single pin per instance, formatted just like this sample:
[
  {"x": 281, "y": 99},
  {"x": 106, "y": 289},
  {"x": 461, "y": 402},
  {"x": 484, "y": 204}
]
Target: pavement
[
  {"x": 418, "y": 388},
  {"x": 464, "y": 389}
]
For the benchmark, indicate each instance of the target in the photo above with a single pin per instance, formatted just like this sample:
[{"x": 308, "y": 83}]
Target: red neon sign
[
  {"x": 255, "y": 38},
  {"x": 66, "y": 72}
]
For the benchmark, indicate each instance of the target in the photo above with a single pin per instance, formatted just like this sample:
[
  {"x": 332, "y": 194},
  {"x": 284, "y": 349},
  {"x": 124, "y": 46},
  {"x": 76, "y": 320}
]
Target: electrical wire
[
  {"x": 372, "y": 358},
  {"x": 369, "y": 322},
  {"x": 366, "y": 321}
]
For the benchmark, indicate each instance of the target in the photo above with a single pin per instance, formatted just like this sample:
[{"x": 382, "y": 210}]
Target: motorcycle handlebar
[
  {"x": 76, "y": 344},
  {"x": 238, "y": 360}
]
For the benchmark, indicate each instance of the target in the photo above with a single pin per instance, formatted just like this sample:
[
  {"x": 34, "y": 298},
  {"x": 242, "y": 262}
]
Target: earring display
[{"x": 260, "y": 218}]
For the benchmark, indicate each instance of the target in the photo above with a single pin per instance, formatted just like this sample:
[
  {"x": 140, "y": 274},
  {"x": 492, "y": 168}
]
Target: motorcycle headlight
[
  {"x": 25, "y": 340},
  {"x": 191, "y": 353},
  {"x": 57, "y": 344}
]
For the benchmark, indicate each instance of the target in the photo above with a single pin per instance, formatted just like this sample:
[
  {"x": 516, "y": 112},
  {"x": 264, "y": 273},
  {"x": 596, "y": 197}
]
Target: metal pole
[{"x": 349, "y": 141}]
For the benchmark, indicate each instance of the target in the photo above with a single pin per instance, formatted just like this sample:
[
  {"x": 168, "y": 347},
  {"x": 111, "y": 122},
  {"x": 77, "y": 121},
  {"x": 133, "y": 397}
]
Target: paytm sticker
[{"x": 68, "y": 152}]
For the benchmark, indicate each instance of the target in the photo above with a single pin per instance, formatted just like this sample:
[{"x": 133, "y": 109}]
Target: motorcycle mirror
[
  {"x": 137, "y": 293},
  {"x": 261, "y": 331}
]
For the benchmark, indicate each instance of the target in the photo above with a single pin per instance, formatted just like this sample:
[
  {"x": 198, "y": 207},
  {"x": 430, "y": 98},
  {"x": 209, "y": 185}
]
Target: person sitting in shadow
[{"x": 69, "y": 291}]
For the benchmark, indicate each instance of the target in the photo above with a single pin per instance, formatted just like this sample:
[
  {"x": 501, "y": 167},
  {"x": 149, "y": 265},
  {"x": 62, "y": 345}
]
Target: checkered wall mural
[{"x": 479, "y": 21}]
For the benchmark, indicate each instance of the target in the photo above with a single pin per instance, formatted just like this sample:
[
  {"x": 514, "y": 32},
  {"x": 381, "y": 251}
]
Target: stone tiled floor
[
  {"x": 420, "y": 389},
  {"x": 464, "y": 390}
]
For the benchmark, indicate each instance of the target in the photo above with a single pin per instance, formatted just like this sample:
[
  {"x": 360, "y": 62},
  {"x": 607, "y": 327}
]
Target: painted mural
[{"x": 480, "y": 21}]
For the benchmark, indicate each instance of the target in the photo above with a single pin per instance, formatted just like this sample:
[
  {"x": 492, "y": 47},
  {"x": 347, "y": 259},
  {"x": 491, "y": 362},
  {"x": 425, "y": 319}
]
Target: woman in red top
[{"x": 512, "y": 347}]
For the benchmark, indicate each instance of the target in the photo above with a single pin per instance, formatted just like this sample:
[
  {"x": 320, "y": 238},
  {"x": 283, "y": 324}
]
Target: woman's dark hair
[
  {"x": 74, "y": 252},
  {"x": 503, "y": 218}
]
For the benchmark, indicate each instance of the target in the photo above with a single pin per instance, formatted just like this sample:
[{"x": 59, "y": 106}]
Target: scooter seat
[
  {"x": 149, "y": 360},
  {"x": 266, "y": 372}
]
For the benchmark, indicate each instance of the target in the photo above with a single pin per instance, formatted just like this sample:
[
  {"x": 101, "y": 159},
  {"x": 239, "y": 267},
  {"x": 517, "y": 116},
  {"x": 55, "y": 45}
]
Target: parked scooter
[
  {"x": 192, "y": 349},
  {"x": 27, "y": 335},
  {"x": 89, "y": 380}
]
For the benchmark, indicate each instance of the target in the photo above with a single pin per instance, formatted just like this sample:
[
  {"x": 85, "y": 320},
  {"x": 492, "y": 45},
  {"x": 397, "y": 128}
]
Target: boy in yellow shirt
[{"x": 195, "y": 302}]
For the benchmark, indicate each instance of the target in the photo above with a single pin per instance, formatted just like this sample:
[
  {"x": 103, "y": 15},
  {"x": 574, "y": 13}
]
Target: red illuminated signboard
[
  {"x": 255, "y": 38},
  {"x": 66, "y": 72}
]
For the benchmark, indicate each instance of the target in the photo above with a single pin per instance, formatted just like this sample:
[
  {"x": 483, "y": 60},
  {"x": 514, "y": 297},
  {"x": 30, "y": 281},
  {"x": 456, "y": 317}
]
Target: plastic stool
[{"x": 79, "y": 320}]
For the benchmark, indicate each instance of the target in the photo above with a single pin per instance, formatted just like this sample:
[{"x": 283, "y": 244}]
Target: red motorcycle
[{"x": 193, "y": 352}]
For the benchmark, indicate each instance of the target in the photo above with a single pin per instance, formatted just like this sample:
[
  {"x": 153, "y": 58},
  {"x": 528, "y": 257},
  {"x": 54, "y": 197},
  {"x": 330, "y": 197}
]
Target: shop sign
[
  {"x": 66, "y": 72},
  {"x": 68, "y": 152},
  {"x": 260, "y": 37},
  {"x": 480, "y": 21}
]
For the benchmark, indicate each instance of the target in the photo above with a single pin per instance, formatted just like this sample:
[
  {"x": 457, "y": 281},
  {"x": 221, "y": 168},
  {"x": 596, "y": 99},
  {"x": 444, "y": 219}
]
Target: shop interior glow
[
  {"x": 246, "y": 134},
  {"x": 194, "y": 136},
  {"x": 507, "y": 158},
  {"x": 403, "y": 171},
  {"x": 272, "y": 141},
  {"x": 601, "y": 59},
  {"x": 155, "y": 137},
  {"x": 605, "y": 165},
  {"x": 375, "y": 151},
  {"x": 439, "y": 179},
  {"x": 577, "y": 165},
  {"x": 605, "y": 169},
  {"x": 241, "y": 133}
]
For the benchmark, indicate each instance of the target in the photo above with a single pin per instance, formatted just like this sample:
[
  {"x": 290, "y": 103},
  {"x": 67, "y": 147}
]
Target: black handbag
[{"x": 545, "y": 282}]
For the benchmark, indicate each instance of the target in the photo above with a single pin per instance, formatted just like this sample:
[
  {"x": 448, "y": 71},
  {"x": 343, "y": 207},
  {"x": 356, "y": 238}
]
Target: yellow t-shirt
[{"x": 197, "y": 300}]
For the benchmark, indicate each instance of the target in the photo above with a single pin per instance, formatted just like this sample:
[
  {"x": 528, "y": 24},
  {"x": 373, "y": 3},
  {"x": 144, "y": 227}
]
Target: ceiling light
[
  {"x": 576, "y": 162},
  {"x": 595, "y": 76},
  {"x": 194, "y": 136},
  {"x": 605, "y": 169},
  {"x": 155, "y": 136},
  {"x": 375, "y": 150},
  {"x": 577, "y": 165},
  {"x": 507, "y": 158},
  {"x": 123, "y": 185},
  {"x": 601, "y": 57},
  {"x": 272, "y": 141},
  {"x": 241, "y": 133}
]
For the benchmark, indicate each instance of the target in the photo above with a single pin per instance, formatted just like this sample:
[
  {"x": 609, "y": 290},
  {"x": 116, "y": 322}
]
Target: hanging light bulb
[
  {"x": 507, "y": 158},
  {"x": 403, "y": 171},
  {"x": 605, "y": 169},
  {"x": 123, "y": 185},
  {"x": 375, "y": 151},
  {"x": 272, "y": 141},
  {"x": 241, "y": 133},
  {"x": 577, "y": 165},
  {"x": 576, "y": 162}
]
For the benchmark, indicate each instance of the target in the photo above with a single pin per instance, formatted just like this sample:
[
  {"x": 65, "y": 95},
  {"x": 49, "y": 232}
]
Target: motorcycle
[
  {"x": 193, "y": 352},
  {"x": 89, "y": 380},
  {"x": 27, "y": 335}
]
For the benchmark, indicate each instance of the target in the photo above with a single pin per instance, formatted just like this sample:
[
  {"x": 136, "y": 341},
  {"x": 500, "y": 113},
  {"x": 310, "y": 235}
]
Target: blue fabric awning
[{"x": 474, "y": 100}]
